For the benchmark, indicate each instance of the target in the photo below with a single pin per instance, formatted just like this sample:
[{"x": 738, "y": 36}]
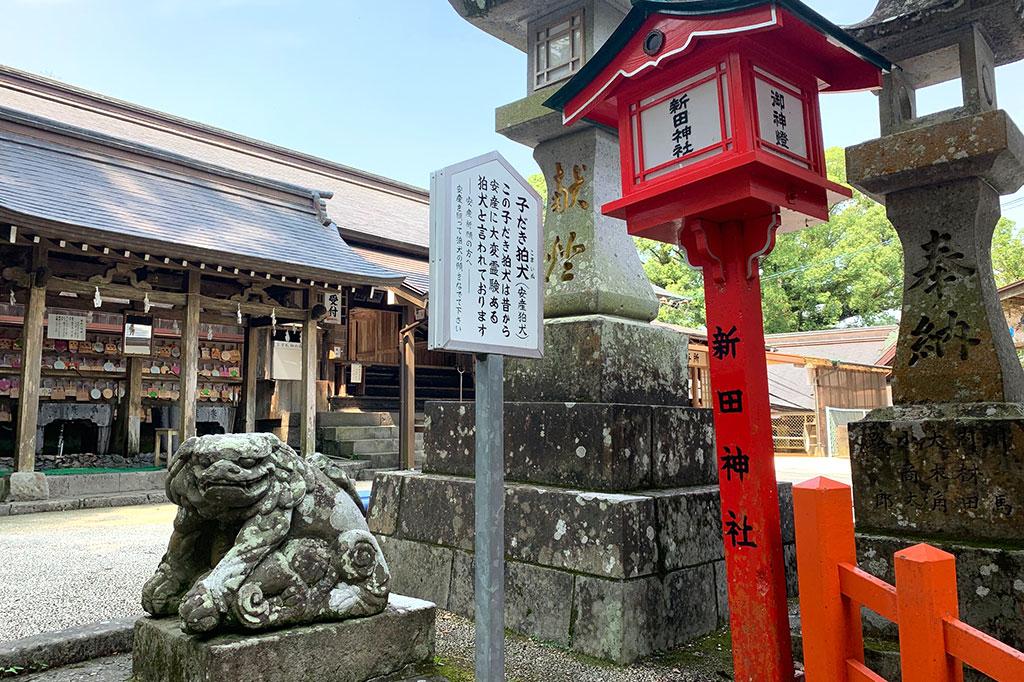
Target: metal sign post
[
  {"x": 487, "y": 299},
  {"x": 489, "y": 540}
]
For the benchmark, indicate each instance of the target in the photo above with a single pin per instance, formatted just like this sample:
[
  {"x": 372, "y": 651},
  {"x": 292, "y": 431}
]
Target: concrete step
[
  {"x": 348, "y": 433},
  {"x": 352, "y": 467},
  {"x": 329, "y": 419},
  {"x": 378, "y": 460},
  {"x": 370, "y": 474}
]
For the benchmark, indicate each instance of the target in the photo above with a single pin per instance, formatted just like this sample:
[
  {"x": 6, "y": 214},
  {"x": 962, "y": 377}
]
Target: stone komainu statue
[{"x": 263, "y": 538}]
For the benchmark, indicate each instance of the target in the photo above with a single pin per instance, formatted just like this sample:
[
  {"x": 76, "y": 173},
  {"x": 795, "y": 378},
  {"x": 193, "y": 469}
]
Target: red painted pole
[{"x": 728, "y": 253}]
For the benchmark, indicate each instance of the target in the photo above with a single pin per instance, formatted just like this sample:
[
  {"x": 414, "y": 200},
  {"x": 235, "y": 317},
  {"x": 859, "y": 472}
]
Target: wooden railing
[{"x": 934, "y": 642}]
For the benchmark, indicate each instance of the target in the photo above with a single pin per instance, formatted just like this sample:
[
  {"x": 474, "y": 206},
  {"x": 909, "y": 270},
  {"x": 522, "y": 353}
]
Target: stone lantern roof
[
  {"x": 903, "y": 29},
  {"x": 507, "y": 20}
]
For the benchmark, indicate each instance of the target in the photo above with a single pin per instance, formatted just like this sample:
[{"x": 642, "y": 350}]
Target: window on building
[{"x": 559, "y": 50}]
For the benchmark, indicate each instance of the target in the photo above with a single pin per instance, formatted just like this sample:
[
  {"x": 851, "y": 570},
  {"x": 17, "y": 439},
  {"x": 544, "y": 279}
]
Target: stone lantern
[
  {"x": 612, "y": 505},
  {"x": 716, "y": 105},
  {"x": 944, "y": 463}
]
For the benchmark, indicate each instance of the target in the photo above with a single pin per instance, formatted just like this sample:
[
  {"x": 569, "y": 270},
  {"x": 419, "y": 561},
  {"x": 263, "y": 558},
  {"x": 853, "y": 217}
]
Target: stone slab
[
  {"x": 27, "y": 486},
  {"x": 353, "y": 650},
  {"x": 603, "y": 359},
  {"x": 604, "y": 534},
  {"x": 988, "y": 145},
  {"x": 73, "y": 645},
  {"x": 142, "y": 480},
  {"x": 595, "y": 446},
  {"x": 990, "y": 583},
  {"x": 941, "y": 471},
  {"x": 418, "y": 569},
  {"x": 538, "y": 601},
  {"x": 625, "y": 620}
]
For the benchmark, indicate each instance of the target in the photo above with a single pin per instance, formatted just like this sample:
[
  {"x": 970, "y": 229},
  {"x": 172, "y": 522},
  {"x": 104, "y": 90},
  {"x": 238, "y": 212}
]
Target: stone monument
[
  {"x": 944, "y": 465},
  {"x": 265, "y": 540},
  {"x": 613, "y": 531}
]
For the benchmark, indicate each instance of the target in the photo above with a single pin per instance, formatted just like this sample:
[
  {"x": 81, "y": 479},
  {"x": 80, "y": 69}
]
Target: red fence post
[
  {"x": 926, "y": 595},
  {"x": 831, "y": 626}
]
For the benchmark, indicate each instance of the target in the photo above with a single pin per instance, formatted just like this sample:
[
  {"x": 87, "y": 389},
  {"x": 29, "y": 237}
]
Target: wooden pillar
[
  {"x": 189, "y": 359},
  {"x": 307, "y": 422},
  {"x": 251, "y": 355},
  {"x": 31, "y": 363},
  {"x": 133, "y": 401},
  {"x": 407, "y": 390}
]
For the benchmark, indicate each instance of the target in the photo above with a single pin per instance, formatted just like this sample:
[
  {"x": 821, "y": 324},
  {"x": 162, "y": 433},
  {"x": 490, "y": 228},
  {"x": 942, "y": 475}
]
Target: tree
[{"x": 848, "y": 270}]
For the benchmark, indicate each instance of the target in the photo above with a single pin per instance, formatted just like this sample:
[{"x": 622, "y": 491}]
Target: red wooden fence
[{"x": 934, "y": 642}]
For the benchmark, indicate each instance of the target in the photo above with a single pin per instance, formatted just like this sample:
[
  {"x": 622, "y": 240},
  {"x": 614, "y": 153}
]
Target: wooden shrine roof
[{"x": 121, "y": 194}]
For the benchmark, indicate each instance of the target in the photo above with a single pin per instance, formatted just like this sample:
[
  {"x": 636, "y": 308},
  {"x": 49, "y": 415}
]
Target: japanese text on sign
[
  {"x": 66, "y": 327},
  {"x": 780, "y": 117},
  {"x": 485, "y": 271},
  {"x": 735, "y": 463},
  {"x": 686, "y": 122}
]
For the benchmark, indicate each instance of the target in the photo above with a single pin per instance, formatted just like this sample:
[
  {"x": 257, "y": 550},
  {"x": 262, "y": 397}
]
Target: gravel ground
[
  {"x": 61, "y": 569},
  {"x": 525, "y": 661},
  {"x": 529, "y": 661}
]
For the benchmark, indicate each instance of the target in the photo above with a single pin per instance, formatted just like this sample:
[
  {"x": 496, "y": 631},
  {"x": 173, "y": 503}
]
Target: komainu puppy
[{"x": 263, "y": 538}]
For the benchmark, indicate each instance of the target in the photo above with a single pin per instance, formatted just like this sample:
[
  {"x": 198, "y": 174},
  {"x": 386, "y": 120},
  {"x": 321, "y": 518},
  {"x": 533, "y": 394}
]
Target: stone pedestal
[
  {"x": 26, "y": 486},
  {"x": 355, "y": 650},
  {"x": 949, "y": 475},
  {"x": 613, "y": 533}
]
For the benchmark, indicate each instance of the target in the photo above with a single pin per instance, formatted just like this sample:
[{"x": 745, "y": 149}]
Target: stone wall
[{"x": 83, "y": 461}]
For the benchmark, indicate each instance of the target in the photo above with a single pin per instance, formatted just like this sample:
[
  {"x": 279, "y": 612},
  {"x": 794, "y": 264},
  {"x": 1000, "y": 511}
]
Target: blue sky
[{"x": 395, "y": 87}]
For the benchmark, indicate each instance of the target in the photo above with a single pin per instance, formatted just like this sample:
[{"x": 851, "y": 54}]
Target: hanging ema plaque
[{"x": 485, "y": 241}]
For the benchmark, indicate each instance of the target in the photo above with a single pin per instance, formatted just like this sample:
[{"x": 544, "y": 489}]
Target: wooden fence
[{"x": 934, "y": 642}]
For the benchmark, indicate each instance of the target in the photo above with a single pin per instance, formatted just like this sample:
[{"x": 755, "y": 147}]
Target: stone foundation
[
  {"x": 353, "y": 650},
  {"x": 85, "y": 460},
  {"x": 948, "y": 475},
  {"x": 613, "y": 535},
  {"x": 611, "y": 575}
]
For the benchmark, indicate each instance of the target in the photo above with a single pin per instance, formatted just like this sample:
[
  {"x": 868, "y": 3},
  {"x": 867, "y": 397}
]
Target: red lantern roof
[{"x": 788, "y": 28}]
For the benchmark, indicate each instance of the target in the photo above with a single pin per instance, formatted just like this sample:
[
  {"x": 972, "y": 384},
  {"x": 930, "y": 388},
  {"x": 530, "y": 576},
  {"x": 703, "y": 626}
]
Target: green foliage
[
  {"x": 538, "y": 182},
  {"x": 849, "y": 267},
  {"x": 1008, "y": 253}
]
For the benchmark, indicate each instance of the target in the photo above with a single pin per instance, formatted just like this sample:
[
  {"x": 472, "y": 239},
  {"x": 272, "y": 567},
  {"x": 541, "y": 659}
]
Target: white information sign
[
  {"x": 687, "y": 122},
  {"x": 780, "y": 119},
  {"x": 65, "y": 327},
  {"x": 287, "y": 361},
  {"x": 486, "y": 293},
  {"x": 332, "y": 301}
]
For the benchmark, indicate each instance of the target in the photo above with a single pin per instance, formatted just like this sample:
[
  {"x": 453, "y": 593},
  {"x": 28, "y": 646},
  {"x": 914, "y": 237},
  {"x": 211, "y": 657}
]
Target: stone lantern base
[
  {"x": 948, "y": 475},
  {"x": 613, "y": 535}
]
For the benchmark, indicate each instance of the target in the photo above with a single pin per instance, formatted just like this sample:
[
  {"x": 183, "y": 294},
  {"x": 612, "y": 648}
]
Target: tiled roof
[
  {"x": 415, "y": 270},
  {"x": 368, "y": 208},
  {"x": 861, "y": 345},
  {"x": 115, "y": 192}
]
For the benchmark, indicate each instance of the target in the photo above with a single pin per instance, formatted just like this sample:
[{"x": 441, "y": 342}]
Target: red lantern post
[{"x": 716, "y": 104}]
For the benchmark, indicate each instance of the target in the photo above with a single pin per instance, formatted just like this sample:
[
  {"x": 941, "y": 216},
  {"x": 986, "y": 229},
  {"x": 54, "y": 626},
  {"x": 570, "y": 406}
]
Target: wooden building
[
  {"x": 373, "y": 355},
  {"x": 142, "y": 288},
  {"x": 820, "y": 381},
  {"x": 384, "y": 221}
]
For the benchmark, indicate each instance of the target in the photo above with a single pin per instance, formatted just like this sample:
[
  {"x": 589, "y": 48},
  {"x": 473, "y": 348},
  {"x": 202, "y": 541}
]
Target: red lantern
[{"x": 716, "y": 106}]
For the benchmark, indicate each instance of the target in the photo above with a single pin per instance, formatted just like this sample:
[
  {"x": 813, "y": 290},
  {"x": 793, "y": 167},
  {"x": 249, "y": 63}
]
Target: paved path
[
  {"x": 800, "y": 469},
  {"x": 61, "y": 569}
]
